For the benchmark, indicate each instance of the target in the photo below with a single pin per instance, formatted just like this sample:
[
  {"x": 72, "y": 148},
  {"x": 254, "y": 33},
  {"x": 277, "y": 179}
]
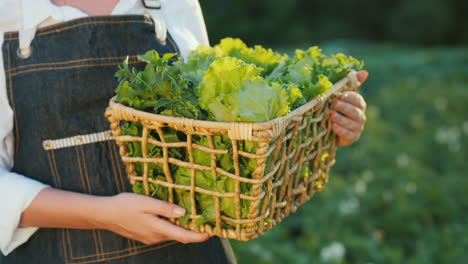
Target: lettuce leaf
[{"x": 261, "y": 101}]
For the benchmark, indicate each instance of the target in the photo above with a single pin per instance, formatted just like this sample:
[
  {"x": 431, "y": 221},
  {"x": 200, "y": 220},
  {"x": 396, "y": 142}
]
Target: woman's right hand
[{"x": 137, "y": 217}]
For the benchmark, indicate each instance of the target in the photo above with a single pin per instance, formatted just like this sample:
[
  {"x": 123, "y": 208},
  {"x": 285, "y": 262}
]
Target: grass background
[{"x": 399, "y": 194}]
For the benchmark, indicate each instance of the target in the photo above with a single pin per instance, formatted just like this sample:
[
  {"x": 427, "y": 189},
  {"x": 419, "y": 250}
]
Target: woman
[{"x": 59, "y": 171}]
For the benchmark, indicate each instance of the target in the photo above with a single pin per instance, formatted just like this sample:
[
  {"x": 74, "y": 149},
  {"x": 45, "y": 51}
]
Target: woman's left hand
[{"x": 349, "y": 115}]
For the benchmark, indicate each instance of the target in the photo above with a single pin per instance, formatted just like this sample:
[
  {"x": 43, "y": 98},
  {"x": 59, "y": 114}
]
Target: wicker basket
[{"x": 286, "y": 145}]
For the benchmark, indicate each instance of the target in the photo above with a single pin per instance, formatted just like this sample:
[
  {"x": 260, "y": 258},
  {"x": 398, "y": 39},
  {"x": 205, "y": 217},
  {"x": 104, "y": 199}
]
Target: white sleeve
[
  {"x": 185, "y": 23},
  {"x": 16, "y": 191}
]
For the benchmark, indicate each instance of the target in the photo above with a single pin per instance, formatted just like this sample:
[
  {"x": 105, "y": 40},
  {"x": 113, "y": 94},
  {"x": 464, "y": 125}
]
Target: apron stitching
[
  {"x": 116, "y": 153},
  {"x": 17, "y": 140},
  {"x": 85, "y": 168},
  {"x": 143, "y": 247},
  {"x": 111, "y": 252},
  {"x": 64, "y": 246},
  {"x": 117, "y": 182},
  {"x": 126, "y": 255},
  {"x": 115, "y": 164},
  {"x": 51, "y": 168},
  {"x": 69, "y": 245},
  {"x": 78, "y": 159},
  {"x": 99, "y": 233},
  {"x": 67, "y": 62},
  {"x": 97, "y": 241},
  {"x": 72, "y": 67},
  {"x": 75, "y": 20},
  {"x": 86, "y": 23},
  {"x": 135, "y": 248},
  {"x": 90, "y": 23},
  {"x": 54, "y": 162},
  {"x": 83, "y": 183},
  {"x": 132, "y": 243},
  {"x": 63, "y": 230},
  {"x": 98, "y": 253}
]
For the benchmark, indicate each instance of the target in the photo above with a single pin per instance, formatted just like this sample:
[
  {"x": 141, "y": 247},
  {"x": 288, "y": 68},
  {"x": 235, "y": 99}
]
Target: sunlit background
[{"x": 399, "y": 195}]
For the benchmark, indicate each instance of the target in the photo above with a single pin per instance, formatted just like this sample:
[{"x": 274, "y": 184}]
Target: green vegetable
[{"x": 229, "y": 82}]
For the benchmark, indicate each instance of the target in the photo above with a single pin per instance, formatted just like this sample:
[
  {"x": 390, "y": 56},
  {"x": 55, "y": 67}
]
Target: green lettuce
[{"x": 228, "y": 82}]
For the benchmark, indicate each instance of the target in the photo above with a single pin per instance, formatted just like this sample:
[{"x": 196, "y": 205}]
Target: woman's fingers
[
  {"x": 346, "y": 137},
  {"x": 346, "y": 122},
  {"x": 174, "y": 232},
  {"x": 159, "y": 207},
  {"x": 362, "y": 76},
  {"x": 350, "y": 111},
  {"x": 354, "y": 99},
  {"x": 349, "y": 117}
]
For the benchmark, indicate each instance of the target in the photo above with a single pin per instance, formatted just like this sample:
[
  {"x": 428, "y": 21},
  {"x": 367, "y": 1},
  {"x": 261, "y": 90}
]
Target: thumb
[
  {"x": 362, "y": 76},
  {"x": 163, "y": 208}
]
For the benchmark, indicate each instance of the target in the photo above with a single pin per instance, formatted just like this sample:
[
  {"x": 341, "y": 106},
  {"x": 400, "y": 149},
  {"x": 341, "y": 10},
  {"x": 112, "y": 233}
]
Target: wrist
[{"x": 99, "y": 212}]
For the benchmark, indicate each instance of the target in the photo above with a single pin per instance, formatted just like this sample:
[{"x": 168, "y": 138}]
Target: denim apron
[{"x": 59, "y": 95}]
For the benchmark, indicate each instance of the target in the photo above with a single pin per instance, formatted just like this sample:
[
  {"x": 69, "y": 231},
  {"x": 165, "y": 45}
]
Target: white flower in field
[
  {"x": 441, "y": 135},
  {"x": 454, "y": 135},
  {"x": 411, "y": 187},
  {"x": 334, "y": 252},
  {"x": 348, "y": 206},
  {"x": 360, "y": 187},
  {"x": 440, "y": 103},
  {"x": 465, "y": 127},
  {"x": 402, "y": 160},
  {"x": 450, "y": 136}
]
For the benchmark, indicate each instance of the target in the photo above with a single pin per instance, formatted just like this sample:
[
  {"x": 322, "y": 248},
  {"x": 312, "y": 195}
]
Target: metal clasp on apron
[{"x": 151, "y": 4}]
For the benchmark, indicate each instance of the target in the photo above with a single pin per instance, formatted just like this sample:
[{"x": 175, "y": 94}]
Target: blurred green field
[{"x": 399, "y": 194}]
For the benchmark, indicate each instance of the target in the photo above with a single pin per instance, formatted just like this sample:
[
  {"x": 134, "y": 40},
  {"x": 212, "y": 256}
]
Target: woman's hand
[
  {"x": 137, "y": 217},
  {"x": 131, "y": 215},
  {"x": 349, "y": 115}
]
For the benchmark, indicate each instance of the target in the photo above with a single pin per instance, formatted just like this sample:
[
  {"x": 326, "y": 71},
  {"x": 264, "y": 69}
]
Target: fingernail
[{"x": 179, "y": 211}]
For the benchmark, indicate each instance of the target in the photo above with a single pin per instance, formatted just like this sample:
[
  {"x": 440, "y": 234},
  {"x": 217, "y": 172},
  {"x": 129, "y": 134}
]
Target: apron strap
[
  {"x": 153, "y": 8},
  {"x": 25, "y": 36}
]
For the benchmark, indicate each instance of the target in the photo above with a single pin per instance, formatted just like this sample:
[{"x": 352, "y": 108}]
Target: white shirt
[{"x": 184, "y": 22}]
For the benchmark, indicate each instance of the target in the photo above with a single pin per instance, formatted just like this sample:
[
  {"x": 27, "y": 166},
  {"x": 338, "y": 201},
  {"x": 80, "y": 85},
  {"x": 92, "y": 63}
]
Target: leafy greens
[{"x": 229, "y": 82}]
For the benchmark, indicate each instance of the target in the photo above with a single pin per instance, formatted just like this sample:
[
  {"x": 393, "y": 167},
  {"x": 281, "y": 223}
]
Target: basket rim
[{"x": 276, "y": 124}]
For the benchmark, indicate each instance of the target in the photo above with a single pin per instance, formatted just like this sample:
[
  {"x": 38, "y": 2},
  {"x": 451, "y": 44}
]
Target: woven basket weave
[{"x": 286, "y": 145}]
